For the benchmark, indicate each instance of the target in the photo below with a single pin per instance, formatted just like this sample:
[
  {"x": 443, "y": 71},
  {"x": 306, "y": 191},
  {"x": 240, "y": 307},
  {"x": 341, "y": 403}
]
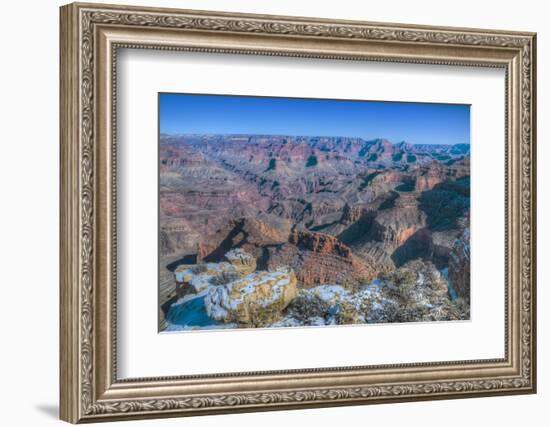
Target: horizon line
[{"x": 308, "y": 136}]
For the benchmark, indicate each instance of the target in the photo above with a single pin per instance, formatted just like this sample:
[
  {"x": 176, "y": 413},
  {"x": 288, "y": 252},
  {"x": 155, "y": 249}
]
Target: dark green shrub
[
  {"x": 272, "y": 165},
  {"x": 397, "y": 157},
  {"x": 311, "y": 161}
]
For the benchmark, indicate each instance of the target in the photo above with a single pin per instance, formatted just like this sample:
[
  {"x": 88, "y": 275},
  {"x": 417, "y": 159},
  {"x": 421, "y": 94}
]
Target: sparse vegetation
[
  {"x": 406, "y": 187},
  {"x": 416, "y": 292},
  {"x": 224, "y": 278},
  {"x": 307, "y": 306},
  {"x": 272, "y": 165},
  {"x": 262, "y": 316},
  {"x": 397, "y": 157},
  {"x": 348, "y": 314},
  {"x": 368, "y": 179},
  {"x": 199, "y": 268},
  {"x": 311, "y": 161}
]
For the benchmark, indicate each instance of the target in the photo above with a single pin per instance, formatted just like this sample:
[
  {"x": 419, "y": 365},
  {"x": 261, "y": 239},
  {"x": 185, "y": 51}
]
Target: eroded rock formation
[
  {"x": 337, "y": 211},
  {"x": 257, "y": 299},
  {"x": 459, "y": 265},
  {"x": 316, "y": 258}
]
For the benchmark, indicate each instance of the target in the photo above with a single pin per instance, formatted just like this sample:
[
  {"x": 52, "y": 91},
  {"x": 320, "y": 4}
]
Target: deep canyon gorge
[{"x": 274, "y": 230}]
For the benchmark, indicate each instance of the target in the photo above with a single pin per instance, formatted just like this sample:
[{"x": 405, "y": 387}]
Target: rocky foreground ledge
[
  {"x": 232, "y": 291},
  {"x": 233, "y": 294}
]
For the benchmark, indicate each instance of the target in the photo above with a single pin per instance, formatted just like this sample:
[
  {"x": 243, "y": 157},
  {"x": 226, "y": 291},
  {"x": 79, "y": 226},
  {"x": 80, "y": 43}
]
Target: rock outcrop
[
  {"x": 257, "y": 299},
  {"x": 428, "y": 179},
  {"x": 243, "y": 262},
  {"x": 320, "y": 258},
  {"x": 415, "y": 292},
  {"x": 193, "y": 279},
  {"x": 248, "y": 234},
  {"x": 233, "y": 291},
  {"x": 316, "y": 258},
  {"x": 198, "y": 277},
  {"x": 350, "y": 214},
  {"x": 459, "y": 265}
]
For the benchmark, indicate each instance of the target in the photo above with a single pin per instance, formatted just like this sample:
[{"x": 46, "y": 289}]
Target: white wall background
[{"x": 29, "y": 170}]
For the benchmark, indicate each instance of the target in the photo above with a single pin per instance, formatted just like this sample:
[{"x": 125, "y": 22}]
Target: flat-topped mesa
[{"x": 319, "y": 243}]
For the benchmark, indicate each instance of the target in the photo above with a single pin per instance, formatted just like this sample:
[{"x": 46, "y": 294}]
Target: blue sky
[{"x": 415, "y": 123}]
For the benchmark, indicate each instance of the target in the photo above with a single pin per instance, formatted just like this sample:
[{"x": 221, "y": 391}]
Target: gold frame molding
[{"x": 90, "y": 37}]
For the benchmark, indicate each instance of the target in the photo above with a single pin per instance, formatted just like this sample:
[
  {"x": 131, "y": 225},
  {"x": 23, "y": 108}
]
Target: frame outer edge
[
  {"x": 77, "y": 339},
  {"x": 533, "y": 207},
  {"x": 69, "y": 355},
  {"x": 305, "y": 19}
]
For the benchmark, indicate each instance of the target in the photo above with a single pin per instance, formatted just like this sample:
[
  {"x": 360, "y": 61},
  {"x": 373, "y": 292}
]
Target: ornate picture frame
[{"x": 90, "y": 37}]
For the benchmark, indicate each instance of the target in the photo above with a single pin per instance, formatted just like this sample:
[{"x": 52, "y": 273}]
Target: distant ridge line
[{"x": 242, "y": 135}]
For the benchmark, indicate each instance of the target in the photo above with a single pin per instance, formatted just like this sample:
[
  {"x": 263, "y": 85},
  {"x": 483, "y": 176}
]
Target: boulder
[{"x": 254, "y": 300}]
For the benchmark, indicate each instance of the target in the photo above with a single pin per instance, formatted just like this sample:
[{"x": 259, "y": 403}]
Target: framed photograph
[{"x": 266, "y": 212}]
